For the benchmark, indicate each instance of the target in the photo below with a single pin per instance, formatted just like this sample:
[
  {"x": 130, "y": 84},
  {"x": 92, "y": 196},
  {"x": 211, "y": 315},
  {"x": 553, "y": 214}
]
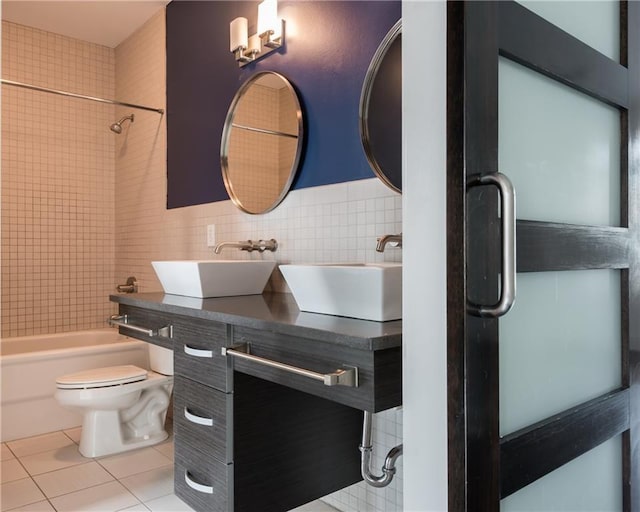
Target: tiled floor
[{"x": 47, "y": 473}]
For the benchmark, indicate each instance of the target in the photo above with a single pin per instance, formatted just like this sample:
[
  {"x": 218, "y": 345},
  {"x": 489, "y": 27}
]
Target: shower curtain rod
[{"x": 80, "y": 96}]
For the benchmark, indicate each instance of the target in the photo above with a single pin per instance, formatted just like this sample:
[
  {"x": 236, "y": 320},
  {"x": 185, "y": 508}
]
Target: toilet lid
[{"x": 101, "y": 377}]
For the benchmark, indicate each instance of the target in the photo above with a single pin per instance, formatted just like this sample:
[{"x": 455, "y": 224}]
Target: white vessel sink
[
  {"x": 371, "y": 291},
  {"x": 213, "y": 278}
]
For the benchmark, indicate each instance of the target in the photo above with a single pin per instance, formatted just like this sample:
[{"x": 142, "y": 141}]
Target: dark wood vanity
[{"x": 250, "y": 436}]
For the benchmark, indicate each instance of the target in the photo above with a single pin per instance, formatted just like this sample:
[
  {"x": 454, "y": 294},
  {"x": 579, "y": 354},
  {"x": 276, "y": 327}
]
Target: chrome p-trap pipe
[{"x": 366, "y": 448}]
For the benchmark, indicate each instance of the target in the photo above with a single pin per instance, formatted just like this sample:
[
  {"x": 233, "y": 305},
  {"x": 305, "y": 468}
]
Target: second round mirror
[{"x": 381, "y": 110}]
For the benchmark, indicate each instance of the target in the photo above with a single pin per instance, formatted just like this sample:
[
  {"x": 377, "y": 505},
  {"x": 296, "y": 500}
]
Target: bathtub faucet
[
  {"x": 248, "y": 245},
  {"x": 131, "y": 286}
]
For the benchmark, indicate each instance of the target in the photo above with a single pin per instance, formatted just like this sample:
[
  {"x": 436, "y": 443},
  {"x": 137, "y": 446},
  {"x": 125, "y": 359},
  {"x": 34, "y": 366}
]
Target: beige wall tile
[{"x": 57, "y": 184}]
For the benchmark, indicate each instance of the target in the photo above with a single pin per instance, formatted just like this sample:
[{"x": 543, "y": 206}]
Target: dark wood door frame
[{"x": 483, "y": 468}]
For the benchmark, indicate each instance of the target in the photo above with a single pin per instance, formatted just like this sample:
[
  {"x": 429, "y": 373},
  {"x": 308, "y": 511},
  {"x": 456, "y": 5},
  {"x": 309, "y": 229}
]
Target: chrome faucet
[
  {"x": 248, "y": 245},
  {"x": 395, "y": 240}
]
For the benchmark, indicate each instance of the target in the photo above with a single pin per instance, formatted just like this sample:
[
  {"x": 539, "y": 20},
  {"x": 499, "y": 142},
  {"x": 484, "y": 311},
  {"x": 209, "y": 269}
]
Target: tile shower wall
[
  {"x": 57, "y": 184},
  {"x": 325, "y": 224}
]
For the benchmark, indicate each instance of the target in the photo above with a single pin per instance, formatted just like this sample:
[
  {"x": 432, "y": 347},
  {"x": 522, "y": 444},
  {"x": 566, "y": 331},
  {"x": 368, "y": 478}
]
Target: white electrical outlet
[{"x": 211, "y": 235}]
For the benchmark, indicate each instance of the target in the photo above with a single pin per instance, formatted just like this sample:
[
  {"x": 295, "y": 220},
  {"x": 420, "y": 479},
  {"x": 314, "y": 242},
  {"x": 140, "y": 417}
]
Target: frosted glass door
[
  {"x": 561, "y": 344},
  {"x": 559, "y": 147},
  {"x": 545, "y": 400}
]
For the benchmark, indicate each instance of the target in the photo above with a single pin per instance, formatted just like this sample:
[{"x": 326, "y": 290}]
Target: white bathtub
[{"x": 29, "y": 366}]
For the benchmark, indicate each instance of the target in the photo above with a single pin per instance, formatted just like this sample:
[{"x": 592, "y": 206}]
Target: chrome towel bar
[
  {"x": 347, "y": 376},
  {"x": 123, "y": 321}
]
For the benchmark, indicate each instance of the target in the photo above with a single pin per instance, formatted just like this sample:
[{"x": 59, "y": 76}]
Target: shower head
[{"x": 117, "y": 127}]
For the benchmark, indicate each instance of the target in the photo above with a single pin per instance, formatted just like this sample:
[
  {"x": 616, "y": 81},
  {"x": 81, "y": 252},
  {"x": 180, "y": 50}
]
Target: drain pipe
[{"x": 389, "y": 467}]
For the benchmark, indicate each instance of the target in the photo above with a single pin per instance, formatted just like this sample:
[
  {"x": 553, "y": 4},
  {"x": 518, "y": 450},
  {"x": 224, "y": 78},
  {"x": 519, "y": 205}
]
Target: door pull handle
[{"x": 508, "y": 271}]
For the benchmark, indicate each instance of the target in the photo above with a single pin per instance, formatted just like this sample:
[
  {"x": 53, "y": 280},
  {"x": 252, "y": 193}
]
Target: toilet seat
[{"x": 102, "y": 377}]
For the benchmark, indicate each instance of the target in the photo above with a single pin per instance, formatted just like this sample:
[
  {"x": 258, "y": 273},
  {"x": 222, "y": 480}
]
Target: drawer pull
[
  {"x": 196, "y": 352},
  {"x": 347, "y": 376},
  {"x": 196, "y": 486},
  {"x": 193, "y": 418},
  {"x": 123, "y": 321}
]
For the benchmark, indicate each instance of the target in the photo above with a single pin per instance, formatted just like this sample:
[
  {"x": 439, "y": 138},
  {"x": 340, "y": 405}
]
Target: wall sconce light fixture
[{"x": 270, "y": 35}]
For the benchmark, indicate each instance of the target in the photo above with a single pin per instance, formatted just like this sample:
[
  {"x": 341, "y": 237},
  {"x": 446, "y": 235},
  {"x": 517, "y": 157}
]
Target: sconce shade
[
  {"x": 238, "y": 30},
  {"x": 268, "y": 18},
  {"x": 254, "y": 44}
]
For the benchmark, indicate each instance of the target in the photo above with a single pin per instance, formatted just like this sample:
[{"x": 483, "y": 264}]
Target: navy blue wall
[{"x": 329, "y": 45}]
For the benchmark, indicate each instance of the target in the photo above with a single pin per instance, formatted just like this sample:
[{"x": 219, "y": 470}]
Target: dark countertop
[{"x": 275, "y": 312}]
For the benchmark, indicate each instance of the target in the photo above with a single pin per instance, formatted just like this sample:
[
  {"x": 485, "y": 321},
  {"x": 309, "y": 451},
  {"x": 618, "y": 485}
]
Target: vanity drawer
[
  {"x": 202, "y": 417},
  {"x": 196, "y": 343},
  {"x": 379, "y": 372},
  {"x": 201, "y": 481},
  {"x": 196, "y": 346}
]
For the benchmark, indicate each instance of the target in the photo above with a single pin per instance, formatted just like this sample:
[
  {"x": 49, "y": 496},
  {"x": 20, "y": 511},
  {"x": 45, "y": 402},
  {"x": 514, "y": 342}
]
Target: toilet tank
[{"x": 161, "y": 359}]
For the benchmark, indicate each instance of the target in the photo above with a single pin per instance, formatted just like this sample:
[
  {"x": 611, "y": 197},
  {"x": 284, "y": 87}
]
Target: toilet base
[
  {"x": 140, "y": 423},
  {"x": 90, "y": 449}
]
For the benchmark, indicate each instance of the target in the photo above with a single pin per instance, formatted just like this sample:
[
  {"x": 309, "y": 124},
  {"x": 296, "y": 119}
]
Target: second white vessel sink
[
  {"x": 213, "y": 278},
  {"x": 369, "y": 291}
]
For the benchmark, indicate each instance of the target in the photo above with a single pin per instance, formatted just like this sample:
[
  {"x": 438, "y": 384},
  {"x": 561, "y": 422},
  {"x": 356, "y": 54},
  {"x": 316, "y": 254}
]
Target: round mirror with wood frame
[
  {"x": 261, "y": 142},
  {"x": 381, "y": 110}
]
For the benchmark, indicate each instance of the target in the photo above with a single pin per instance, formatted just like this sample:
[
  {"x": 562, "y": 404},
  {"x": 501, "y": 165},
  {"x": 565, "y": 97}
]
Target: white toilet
[{"x": 123, "y": 407}]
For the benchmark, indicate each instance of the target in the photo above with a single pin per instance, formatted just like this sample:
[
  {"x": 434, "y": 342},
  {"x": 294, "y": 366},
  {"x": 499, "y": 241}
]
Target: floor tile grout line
[
  {"x": 34, "y": 482},
  {"x": 46, "y": 498},
  {"x": 51, "y": 471},
  {"x": 6, "y": 443},
  {"x": 88, "y": 461},
  {"x": 12, "y": 452},
  {"x": 139, "y": 472},
  {"x": 113, "y": 479},
  {"x": 140, "y": 502},
  {"x": 140, "y": 499},
  {"x": 129, "y": 491},
  {"x": 23, "y": 467},
  {"x": 106, "y": 469},
  {"x": 69, "y": 437}
]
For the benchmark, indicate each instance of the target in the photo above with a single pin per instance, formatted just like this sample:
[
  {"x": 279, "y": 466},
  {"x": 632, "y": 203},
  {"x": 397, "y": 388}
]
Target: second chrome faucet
[
  {"x": 248, "y": 245},
  {"x": 393, "y": 240}
]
